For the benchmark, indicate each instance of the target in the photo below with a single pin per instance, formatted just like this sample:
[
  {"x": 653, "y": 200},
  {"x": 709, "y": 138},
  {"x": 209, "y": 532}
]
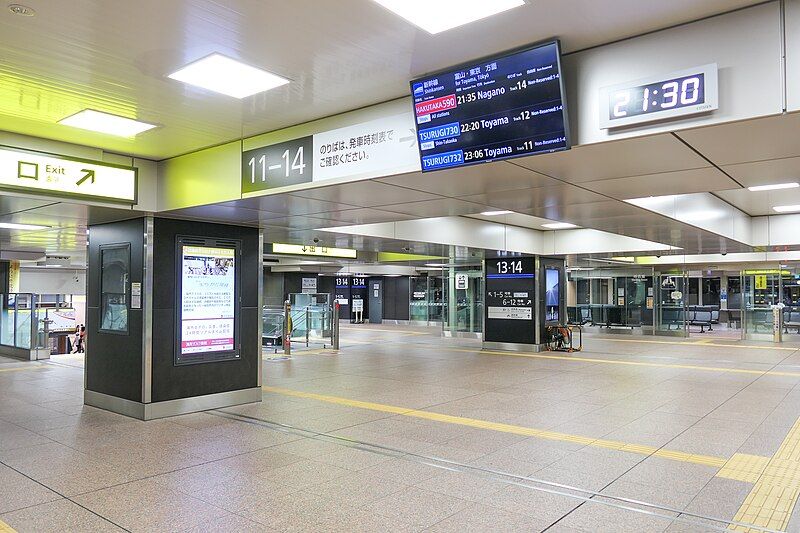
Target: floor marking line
[
  {"x": 634, "y": 363},
  {"x": 642, "y": 449},
  {"x": 21, "y": 368},
  {"x": 5, "y": 528},
  {"x": 773, "y": 497},
  {"x": 703, "y": 342}
]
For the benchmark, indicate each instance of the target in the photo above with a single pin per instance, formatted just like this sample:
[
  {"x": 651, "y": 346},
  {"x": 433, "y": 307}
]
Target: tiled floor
[{"x": 461, "y": 441}]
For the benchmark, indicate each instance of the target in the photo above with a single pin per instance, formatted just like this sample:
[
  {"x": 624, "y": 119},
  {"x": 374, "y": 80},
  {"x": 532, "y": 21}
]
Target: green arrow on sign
[{"x": 89, "y": 175}]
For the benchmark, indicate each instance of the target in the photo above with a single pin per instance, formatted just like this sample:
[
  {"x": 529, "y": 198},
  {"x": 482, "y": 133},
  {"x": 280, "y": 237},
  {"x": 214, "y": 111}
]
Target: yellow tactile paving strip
[
  {"x": 774, "y": 495},
  {"x": 5, "y": 528},
  {"x": 674, "y": 455},
  {"x": 744, "y": 467},
  {"x": 636, "y": 363}
]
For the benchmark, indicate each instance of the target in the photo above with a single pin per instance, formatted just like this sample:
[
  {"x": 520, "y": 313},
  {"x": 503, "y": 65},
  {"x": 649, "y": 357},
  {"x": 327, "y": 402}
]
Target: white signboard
[
  {"x": 208, "y": 293},
  {"x": 309, "y": 285},
  {"x": 358, "y": 305},
  {"x": 462, "y": 282},
  {"x": 380, "y": 147},
  {"x": 511, "y": 313},
  {"x": 39, "y": 173}
]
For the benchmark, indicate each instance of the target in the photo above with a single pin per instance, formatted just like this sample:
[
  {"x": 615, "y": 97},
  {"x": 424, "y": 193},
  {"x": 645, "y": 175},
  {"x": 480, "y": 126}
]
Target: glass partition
[
  {"x": 426, "y": 300},
  {"x": 463, "y": 302},
  {"x": 760, "y": 292}
]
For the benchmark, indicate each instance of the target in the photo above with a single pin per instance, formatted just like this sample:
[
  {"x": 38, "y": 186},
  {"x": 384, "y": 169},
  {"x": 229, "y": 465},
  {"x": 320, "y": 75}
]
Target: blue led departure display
[{"x": 490, "y": 109}]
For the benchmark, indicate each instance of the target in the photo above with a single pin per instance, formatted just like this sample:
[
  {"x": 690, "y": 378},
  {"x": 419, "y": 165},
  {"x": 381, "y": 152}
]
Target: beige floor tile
[{"x": 57, "y": 517}]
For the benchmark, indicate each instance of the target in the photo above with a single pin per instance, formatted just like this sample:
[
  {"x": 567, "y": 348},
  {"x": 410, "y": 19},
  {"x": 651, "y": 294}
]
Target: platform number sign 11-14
[{"x": 277, "y": 165}]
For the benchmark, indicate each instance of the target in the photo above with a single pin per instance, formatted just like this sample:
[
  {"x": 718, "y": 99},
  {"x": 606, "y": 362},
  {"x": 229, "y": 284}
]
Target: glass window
[
  {"x": 114, "y": 272},
  {"x": 711, "y": 291}
]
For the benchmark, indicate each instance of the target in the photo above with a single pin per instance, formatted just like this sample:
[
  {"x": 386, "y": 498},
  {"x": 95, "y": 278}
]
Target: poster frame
[{"x": 182, "y": 241}]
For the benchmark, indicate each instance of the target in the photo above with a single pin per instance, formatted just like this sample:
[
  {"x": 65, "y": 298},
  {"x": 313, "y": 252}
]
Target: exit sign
[{"x": 67, "y": 177}]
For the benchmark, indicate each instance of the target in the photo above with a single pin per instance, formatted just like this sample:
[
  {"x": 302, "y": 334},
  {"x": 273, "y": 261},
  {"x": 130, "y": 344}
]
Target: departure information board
[{"x": 507, "y": 106}]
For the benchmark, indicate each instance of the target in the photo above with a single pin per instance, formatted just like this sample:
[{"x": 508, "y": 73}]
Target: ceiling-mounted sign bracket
[{"x": 49, "y": 174}]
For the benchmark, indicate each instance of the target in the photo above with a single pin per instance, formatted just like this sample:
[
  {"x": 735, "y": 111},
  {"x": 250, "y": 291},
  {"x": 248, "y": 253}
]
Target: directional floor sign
[{"x": 42, "y": 173}]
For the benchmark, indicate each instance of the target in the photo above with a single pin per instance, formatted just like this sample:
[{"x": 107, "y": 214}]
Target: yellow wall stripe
[
  {"x": 717, "y": 462},
  {"x": 5, "y": 528}
]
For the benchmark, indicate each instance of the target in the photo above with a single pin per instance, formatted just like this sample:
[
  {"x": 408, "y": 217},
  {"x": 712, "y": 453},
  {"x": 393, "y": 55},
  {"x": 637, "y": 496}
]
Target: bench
[
  {"x": 702, "y": 318},
  {"x": 791, "y": 319}
]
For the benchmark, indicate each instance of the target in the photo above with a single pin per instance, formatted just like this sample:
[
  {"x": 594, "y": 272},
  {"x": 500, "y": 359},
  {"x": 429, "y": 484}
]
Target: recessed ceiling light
[
  {"x": 559, "y": 225},
  {"x": 774, "y": 187},
  {"x": 89, "y": 119},
  {"x": 26, "y": 227},
  {"x": 435, "y": 16},
  {"x": 786, "y": 208},
  {"x": 227, "y": 76},
  {"x": 495, "y": 213},
  {"x": 435, "y": 265}
]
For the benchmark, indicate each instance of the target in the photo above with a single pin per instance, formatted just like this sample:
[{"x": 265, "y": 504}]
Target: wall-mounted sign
[
  {"x": 462, "y": 282},
  {"x": 509, "y": 297},
  {"x": 42, "y": 173},
  {"x": 380, "y": 147},
  {"x": 277, "y": 165},
  {"x": 667, "y": 96},
  {"x": 506, "y": 106},
  {"x": 308, "y": 285},
  {"x": 342, "y": 289},
  {"x": 302, "y": 249},
  {"x": 761, "y": 282}
]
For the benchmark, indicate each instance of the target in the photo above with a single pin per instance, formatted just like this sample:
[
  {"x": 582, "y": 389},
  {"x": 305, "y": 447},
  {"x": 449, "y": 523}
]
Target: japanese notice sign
[
  {"x": 377, "y": 148},
  {"x": 208, "y": 299}
]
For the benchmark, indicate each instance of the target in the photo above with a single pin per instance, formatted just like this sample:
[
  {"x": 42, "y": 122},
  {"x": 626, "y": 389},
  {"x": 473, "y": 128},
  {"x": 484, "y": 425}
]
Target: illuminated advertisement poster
[
  {"x": 208, "y": 300},
  {"x": 551, "y": 296}
]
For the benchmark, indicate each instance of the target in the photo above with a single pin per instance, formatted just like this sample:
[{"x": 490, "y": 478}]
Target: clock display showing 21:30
[{"x": 655, "y": 97}]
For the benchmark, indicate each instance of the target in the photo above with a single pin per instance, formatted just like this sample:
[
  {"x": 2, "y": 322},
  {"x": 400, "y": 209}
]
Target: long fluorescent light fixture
[
  {"x": 559, "y": 225},
  {"x": 496, "y": 213},
  {"x": 786, "y": 208},
  {"x": 227, "y": 76},
  {"x": 25, "y": 227},
  {"x": 436, "y": 16},
  {"x": 92, "y": 120},
  {"x": 775, "y": 187}
]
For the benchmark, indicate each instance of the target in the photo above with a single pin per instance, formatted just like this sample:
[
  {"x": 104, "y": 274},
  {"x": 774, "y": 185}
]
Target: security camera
[
  {"x": 658, "y": 257},
  {"x": 724, "y": 253},
  {"x": 316, "y": 240}
]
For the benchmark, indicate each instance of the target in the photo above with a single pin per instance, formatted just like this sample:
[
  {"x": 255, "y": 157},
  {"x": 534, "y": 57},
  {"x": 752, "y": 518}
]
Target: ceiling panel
[
  {"x": 438, "y": 208},
  {"x": 751, "y": 140},
  {"x": 526, "y": 200},
  {"x": 766, "y": 172},
  {"x": 287, "y": 204},
  {"x": 366, "y": 193},
  {"x": 680, "y": 182},
  {"x": 221, "y": 213},
  {"x": 116, "y": 56},
  {"x": 760, "y": 203},
  {"x": 471, "y": 180},
  {"x": 618, "y": 159},
  {"x": 361, "y": 216}
]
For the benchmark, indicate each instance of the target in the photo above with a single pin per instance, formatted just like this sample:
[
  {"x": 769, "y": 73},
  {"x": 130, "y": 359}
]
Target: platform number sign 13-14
[
  {"x": 277, "y": 165},
  {"x": 509, "y": 267}
]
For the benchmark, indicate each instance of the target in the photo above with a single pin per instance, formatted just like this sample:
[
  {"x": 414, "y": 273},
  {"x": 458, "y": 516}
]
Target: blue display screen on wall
[
  {"x": 551, "y": 296},
  {"x": 501, "y": 107}
]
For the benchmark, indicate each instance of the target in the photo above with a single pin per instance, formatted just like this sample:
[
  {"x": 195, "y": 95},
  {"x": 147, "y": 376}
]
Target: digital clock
[{"x": 669, "y": 96}]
